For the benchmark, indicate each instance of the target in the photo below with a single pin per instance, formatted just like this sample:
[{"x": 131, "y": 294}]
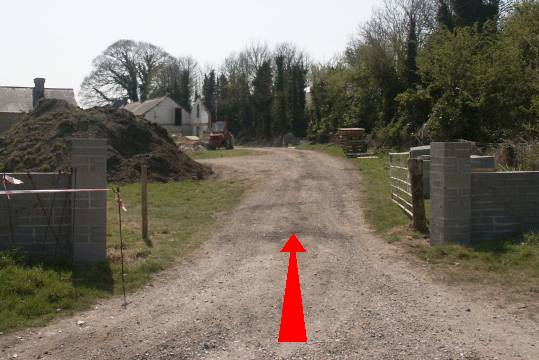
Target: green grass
[
  {"x": 513, "y": 263},
  {"x": 214, "y": 154},
  {"x": 380, "y": 211},
  {"x": 32, "y": 293}
]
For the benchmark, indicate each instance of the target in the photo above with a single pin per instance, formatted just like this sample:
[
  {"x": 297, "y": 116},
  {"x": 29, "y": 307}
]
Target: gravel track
[{"x": 362, "y": 298}]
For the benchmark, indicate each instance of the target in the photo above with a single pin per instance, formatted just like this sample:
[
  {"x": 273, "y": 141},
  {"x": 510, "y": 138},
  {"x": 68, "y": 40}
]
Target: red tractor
[{"x": 220, "y": 136}]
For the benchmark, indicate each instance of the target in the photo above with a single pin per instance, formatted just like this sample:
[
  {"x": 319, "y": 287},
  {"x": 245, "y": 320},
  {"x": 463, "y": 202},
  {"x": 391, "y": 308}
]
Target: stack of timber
[{"x": 352, "y": 141}]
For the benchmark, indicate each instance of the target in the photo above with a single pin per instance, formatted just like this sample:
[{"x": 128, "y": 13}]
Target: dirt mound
[{"x": 39, "y": 142}]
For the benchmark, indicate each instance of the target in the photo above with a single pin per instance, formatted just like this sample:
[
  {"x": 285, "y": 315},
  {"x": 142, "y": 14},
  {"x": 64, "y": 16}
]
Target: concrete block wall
[
  {"x": 89, "y": 162},
  {"x": 418, "y": 151},
  {"x": 482, "y": 162},
  {"x": 78, "y": 219},
  {"x": 504, "y": 204},
  {"x": 423, "y": 152},
  {"x": 450, "y": 186},
  {"x": 31, "y": 229},
  {"x": 469, "y": 206}
]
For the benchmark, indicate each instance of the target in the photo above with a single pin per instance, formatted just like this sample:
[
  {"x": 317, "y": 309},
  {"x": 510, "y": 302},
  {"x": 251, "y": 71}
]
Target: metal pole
[
  {"x": 8, "y": 200},
  {"x": 119, "y": 203},
  {"x": 73, "y": 213}
]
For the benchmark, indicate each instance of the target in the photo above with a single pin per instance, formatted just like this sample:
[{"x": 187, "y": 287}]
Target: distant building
[
  {"x": 16, "y": 100},
  {"x": 167, "y": 113}
]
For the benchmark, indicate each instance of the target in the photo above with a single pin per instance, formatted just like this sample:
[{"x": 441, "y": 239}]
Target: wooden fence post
[
  {"x": 144, "y": 200},
  {"x": 415, "y": 166}
]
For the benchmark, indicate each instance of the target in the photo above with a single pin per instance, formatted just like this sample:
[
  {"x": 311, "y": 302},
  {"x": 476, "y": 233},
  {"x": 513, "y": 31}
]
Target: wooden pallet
[{"x": 352, "y": 140}]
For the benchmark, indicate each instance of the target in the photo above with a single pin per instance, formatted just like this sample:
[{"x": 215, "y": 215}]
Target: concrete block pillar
[
  {"x": 450, "y": 199},
  {"x": 89, "y": 161}
]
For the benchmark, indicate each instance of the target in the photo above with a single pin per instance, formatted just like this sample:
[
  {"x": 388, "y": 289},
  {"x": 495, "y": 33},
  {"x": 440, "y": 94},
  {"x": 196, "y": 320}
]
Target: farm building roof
[
  {"x": 16, "y": 99},
  {"x": 141, "y": 108}
]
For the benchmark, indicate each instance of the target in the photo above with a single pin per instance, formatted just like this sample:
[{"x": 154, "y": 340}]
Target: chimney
[{"x": 39, "y": 91}]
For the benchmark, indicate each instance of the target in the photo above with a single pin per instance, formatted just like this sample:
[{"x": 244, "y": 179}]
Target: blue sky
[{"x": 57, "y": 39}]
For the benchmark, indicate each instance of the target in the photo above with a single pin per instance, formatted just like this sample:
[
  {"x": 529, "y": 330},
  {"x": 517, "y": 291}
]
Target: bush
[
  {"x": 396, "y": 135},
  {"x": 451, "y": 118},
  {"x": 414, "y": 107},
  {"x": 484, "y": 84},
  {"x": 520, "y": 156}
]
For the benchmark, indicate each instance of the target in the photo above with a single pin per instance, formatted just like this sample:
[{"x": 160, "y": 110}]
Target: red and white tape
[
  {"x": 121, "y": 204},
  {"x": 9, "y": 179},
  {"x": 12, "y": 180},
  {"x": 46, "y": 191}
]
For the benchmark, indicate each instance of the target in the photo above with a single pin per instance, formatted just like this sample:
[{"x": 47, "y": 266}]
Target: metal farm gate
[{"x": 399, "y": 179}]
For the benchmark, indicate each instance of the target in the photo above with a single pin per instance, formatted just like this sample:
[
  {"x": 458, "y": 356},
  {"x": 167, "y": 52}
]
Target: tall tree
[
  {"x": 296, "y": 96},
  {"x": 253, "y": 57},
  {"x": 209, "y": 89},
  {"x": 280, "y": 116},
  {"x": 469, "y": 12},
  {"x": 126, "y": 69},
  {"x": 189, "y": 79},
  {"x": 410, "y": 64},
  {"x": 186, "y": 86},
  {"x": 262, "y": 93},
  {"x": 262, "y": 100},
  {"x": 177, "y": 80},
  {"x": 150, "y": 60},
  {"x": 444, "y": 17},
  {"x": 237, "y": 93},
  {"x": 221, "y": 97}
]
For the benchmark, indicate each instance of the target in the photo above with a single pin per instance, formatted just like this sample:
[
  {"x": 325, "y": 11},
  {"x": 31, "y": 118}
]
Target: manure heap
[{"x": 40, "y": 142}]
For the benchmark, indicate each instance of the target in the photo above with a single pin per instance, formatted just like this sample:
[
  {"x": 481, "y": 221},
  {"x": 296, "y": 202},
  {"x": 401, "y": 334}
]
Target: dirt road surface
[{"x": 362, "y": 299}]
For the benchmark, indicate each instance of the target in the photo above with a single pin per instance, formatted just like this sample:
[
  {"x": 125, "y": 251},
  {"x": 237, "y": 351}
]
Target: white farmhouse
[{"x": 167, "y": 113}]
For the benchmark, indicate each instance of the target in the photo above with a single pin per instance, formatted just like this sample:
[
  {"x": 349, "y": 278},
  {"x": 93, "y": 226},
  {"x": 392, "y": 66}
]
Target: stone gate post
[
  {"x": 89, "y": 159},
  {"x": 450, "y": 198}
]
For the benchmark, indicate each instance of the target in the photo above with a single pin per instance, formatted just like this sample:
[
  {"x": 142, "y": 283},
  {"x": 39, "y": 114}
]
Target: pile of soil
[{"x": 40, "y": 142}]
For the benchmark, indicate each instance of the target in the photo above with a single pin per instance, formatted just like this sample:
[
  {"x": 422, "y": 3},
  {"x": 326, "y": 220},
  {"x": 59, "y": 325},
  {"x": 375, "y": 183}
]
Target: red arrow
[{"x": 292, "y": 319}]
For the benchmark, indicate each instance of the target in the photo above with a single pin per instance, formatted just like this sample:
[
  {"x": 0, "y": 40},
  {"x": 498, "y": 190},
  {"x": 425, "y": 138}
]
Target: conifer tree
[
  {"x": 411, "y": 75},
  {"x": 280, "y": 116},
  {"x": 262, "y": 100},
  {"x": 469, "y": 12},
  {"x": 208, "y": 93},
  {"x": 221, "y": 97},
  {"x": 296, "y": 96},
  {"x": 444, "y": 16}
]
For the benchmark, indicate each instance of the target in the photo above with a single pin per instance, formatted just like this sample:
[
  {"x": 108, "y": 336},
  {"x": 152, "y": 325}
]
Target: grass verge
[
  {"x": 510, "y": 263},
  {"x": 32, "y": 293},
  {"x": 214, "y": 154}
]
